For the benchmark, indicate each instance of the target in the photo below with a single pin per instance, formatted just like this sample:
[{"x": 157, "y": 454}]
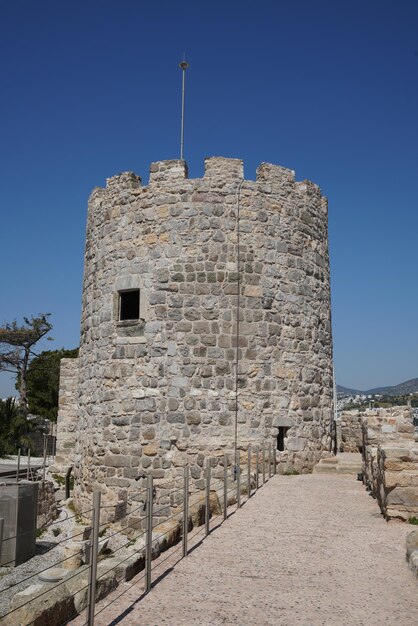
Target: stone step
[
  {"x": 352, "y": 468},
  {"x": 347, "y": 463},
  {"x": 325, "y": 468}
]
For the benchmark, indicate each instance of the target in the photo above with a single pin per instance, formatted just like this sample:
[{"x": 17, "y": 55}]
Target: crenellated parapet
[
  {"x": 216, "y": 169},
  {"x": 219, "y": 171}
]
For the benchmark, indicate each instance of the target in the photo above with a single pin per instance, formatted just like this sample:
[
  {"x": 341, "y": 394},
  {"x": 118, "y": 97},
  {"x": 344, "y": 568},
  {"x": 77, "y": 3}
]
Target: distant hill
[
  {"x": 409, "y": 386},
  {"x": 349, "y": 392}
]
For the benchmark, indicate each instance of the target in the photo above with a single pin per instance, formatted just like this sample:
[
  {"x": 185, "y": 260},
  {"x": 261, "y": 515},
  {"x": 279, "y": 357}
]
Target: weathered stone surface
[
  {"x": 167, "y": 533},
  {"x": 349, "y": 432},
  {"x": 412, "y": 550},
  {"x": 175, "y": 241},
  {"x": 73, "y": 555},
  {"x": 295, "y": 444},
  {"x": 390, "y": 461},
  {"x": 77, "y": 587},
  {"x": 47, "y": 506},
  {"x": 67, "y": 421},
  {"x": 197, "y": 507},
  {"x": 413, "y": 562},
  {"x": 41, "y": 604},
  {"x": 411, "y": 542}
]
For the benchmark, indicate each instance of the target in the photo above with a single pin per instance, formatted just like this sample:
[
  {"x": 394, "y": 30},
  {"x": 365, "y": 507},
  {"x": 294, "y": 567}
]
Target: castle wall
[
  {"x": 349, "y": 431},
  {"x": 161, "y": 392},
  {"x": 381, "y": 427},
  {"x": 397, "y": 479},
  {"x": 67, "y": 421}
]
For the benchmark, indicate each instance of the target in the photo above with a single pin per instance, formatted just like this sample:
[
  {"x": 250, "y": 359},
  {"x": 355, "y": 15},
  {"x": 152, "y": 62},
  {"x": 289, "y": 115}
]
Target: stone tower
[{"x": 177, "y": 273}]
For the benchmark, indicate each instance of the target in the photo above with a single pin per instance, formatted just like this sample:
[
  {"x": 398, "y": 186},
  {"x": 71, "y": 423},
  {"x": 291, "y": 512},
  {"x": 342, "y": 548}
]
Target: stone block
[
  {"x": 116, "y": 460},
  {"x": 411, "y": 542},
  {"x": 388, "y": 428},
  {"x": 193, "y": 417},
  {"x": 295, "y": 444},
  {"x": 36, "y": 605},
  {"x": 413, "y": 562},
  {"x": 253, "y": 291},
  {"x": 151, "y": 449}
]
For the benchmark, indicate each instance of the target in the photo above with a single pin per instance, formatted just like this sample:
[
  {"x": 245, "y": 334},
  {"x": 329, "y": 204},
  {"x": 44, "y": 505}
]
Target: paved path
[{"x": 304, "y": 551}]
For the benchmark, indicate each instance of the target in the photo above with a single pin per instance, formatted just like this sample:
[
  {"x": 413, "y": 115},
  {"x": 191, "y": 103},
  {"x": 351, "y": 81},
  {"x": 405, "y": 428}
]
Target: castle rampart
[{"x": 159, "y": 366}]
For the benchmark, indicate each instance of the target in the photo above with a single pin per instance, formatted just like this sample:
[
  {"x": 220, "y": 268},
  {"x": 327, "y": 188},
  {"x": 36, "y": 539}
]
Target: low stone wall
[
  {"x": 397, "y": 480},
  {"x": 349, "y": 432},
  {"x": 382, "y": 426}
]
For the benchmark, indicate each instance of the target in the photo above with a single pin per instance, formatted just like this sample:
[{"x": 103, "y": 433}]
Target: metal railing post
[
  {"x": 1, "y": 534},
  {"x": 185, "y": 508},
  {"x": 28, "y": 470},
  {"x": 257, "y": 469},
  {"x": 274, "y": 461},
  {"x": 249, "y": 472},
  {"x": 269, "y": 461},
  {"x": 18, "y": 465},
  {"x": 148, "y": 547},
  {"x": 67, "y": 482},
  {"x": 263, "y": 462},
  {"x": 225, "y": 485},
  {"x": 44, "y": 470},
  {"x": 94, "y": 551},
  {"x": 207, "y": 497},
  {"x": 238, "y": 484}
]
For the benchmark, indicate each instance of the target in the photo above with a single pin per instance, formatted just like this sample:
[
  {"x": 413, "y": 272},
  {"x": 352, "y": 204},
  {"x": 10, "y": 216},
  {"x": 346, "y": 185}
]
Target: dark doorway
[{"x": 280, "y": 437}]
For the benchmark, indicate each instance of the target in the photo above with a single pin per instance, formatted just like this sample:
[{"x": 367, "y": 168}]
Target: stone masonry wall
[
  {"x": 47, "y": 506},
  {"x": 380, "y": 427},
  {"x": 67, "y": 420},
  {"x": 161, "y": 392},
  {"x": 349, "y": 432},
  {"x": 397, "y": 479}
]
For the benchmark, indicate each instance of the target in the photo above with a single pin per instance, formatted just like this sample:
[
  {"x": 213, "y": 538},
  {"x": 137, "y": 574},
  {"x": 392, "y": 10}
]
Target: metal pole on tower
[
  {"x": 183, "y": 65},
  {"x": 334, "y": 444}
]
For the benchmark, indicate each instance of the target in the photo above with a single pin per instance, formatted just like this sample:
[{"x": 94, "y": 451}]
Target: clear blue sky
[{"x": 327, "y": 88}]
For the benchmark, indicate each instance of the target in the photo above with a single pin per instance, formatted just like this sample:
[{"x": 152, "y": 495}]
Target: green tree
[
  {"x": 43, "y": 382},
  {"x": 16, "y": 350},
  {"x": 15, "y": 428},
  {"x": 8, "y": 413}
]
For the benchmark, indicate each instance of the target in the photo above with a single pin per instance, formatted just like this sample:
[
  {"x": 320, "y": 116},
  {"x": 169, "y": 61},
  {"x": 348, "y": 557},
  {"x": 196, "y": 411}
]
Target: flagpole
[{"x": 183, "y": 65}]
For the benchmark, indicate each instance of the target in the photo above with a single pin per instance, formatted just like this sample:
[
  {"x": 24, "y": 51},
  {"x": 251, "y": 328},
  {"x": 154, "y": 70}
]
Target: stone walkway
[{"x": 304, "y": 551}]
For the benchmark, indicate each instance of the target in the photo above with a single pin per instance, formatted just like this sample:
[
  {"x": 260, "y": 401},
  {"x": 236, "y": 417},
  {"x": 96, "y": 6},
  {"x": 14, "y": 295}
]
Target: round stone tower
[{"x": 205, "y": 324}]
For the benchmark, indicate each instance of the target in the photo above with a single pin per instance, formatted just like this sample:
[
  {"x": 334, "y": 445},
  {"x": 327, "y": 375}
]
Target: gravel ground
[
  {"x": 307, "y": 550},
  {"x": 50, "y": 551}
]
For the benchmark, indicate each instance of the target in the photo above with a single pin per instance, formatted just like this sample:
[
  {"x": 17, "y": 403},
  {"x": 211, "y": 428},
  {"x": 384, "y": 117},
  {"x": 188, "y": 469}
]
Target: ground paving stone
[{"x": 305, "y": 550}]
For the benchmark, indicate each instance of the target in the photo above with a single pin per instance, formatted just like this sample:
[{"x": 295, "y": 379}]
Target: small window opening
[
  {"x": 281, "y": 436},
  {"x": 129, "y": 305}
]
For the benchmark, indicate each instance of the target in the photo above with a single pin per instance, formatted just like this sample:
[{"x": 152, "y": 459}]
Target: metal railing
[
  {"x": 226, "y": 488},
  {"x": 25, "y": 467}
]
